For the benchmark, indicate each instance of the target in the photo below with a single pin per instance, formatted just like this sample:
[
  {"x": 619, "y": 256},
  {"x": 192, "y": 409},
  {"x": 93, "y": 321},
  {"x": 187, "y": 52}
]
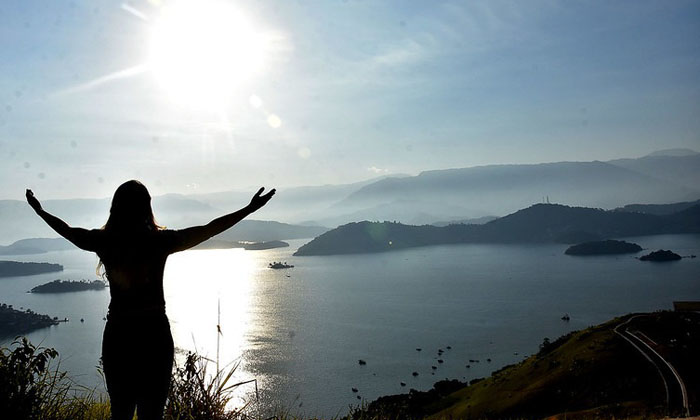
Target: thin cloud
[
  {"x": 134, "y": 11},
  {"x": 118, "y": 75}
]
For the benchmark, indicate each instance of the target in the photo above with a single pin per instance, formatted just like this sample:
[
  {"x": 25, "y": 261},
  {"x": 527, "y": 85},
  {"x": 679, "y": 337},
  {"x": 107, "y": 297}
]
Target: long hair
[
  {"x": 131, "y": 213},
  {"x": 131, "y": 210}
]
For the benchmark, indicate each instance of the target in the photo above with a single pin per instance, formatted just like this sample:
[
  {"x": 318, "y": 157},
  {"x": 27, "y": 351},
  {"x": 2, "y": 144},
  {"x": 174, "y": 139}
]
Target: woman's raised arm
[
  {"x": 82, "y": 238},
  {"x": 197, "y": 234}
]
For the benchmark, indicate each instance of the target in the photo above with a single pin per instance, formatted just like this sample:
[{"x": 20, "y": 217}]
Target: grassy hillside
[{"x": 592, "y": 373}]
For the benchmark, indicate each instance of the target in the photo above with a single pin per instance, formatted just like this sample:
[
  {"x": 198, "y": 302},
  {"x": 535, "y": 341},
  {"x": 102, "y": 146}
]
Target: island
[
  {"x": 661, "y": 256},
  {"x": 247, "y": 245},
  {"x": 607, "y": 247},
  {"x": 540, "y": 223},
  {"x": 277, "y": 265},
  {"x": 16, "y": 268},
  {"x": 14, "y": 322},
  {"x": 65, "y": 286}
]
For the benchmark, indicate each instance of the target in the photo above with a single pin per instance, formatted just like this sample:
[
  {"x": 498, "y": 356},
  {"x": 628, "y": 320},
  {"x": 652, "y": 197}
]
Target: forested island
[
  {"x": 540, "y": 223},
  {"x": 14, "y": 322},
  {"x": 16, "y": 268},
  {"x": 608, "y": 247},
  {"x": 247, "y": 245},
  {"x": 64, "y": 286},
  {"x": 660, "y": 256}
]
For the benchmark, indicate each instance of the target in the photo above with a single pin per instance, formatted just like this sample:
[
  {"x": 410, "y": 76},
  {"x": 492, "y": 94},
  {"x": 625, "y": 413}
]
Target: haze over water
[{"x": 301, "y": 336}]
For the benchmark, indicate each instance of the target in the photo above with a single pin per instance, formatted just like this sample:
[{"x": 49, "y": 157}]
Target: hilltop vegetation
[{"x": 14, "y": 322}]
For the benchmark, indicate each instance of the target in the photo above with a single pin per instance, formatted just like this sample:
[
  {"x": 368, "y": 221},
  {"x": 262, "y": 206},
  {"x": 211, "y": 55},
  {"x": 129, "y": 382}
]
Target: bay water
[{"x": 300, "y": 332}]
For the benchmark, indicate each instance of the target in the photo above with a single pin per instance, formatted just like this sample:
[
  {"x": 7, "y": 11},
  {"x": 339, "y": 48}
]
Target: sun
[{"x": 203, "y": 51}]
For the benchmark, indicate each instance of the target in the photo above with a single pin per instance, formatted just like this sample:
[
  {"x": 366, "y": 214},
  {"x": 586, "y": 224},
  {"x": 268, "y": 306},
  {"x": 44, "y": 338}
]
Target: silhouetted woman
[{"x": 137, "y": 347}]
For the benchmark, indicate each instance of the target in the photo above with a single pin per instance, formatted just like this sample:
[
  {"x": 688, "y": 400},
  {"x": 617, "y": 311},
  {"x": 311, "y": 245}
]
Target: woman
[{"x": 137, "y": 346}]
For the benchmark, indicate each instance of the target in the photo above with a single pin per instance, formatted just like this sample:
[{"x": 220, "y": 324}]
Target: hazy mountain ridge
[
  {"x": 35, "y": 246},
  {"x": 500, "y": 189},
  {"x": 680, "y": 169},
  {"x": 540, "y": 223},
  {"x": 434, "y": 195},
  {"x": 294, "y": 205},
  {"x": 18, "y": 221},
  {"x": 245, "y": 230},
  {"x": 659, "y": 209}
]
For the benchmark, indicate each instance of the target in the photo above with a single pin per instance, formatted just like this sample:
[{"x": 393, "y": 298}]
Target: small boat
[{"x": 566, "y": 317}]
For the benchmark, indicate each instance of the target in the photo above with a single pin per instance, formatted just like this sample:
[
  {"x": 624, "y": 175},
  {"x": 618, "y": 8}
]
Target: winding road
[{"x": 676, "y": 393}]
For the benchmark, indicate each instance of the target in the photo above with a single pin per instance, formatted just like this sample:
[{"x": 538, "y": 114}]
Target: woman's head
[{"x": 131, "y": 209}]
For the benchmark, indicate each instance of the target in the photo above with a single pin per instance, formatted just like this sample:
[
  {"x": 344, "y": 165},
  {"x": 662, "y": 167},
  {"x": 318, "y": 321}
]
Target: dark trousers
[{"x": 137, "y": 355}]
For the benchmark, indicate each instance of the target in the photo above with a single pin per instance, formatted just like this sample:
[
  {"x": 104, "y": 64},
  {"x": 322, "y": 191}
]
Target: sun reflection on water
[{"x": 197, "y": 283}]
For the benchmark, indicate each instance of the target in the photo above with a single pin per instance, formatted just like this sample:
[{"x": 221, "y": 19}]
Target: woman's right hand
[{"x": 36, "y": 205}]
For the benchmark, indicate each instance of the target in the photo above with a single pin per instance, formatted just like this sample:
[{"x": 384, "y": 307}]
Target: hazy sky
[{"x": 341, "y": 91}]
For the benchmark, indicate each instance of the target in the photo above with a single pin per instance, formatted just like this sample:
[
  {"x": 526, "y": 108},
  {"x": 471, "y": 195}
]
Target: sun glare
[{"x": 202, "y": 51}]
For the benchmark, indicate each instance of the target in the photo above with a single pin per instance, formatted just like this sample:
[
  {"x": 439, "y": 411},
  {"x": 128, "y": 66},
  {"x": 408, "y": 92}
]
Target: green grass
[
  {"x": 30, "y": 389},
  {"x": 589, "y": 368}
]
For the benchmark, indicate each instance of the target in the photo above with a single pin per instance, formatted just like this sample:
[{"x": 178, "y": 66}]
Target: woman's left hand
[
  {"x": 36, "y": 205},
  {"x": 260, "y": 200}
]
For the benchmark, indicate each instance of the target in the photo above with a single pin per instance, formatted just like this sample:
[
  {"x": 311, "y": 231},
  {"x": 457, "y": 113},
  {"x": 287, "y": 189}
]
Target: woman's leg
[
  {"x": 117, "y": 369},
  {"x": 157, "y": 365}
]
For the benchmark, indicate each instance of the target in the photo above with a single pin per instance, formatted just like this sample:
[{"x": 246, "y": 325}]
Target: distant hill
[
  {"x": 502, "y": 189},
  {"x": 297, "y": 204},
  {"x": 248, "y": 246},
  {"x": 676, "y": 167},
  {"x": 669, "y": 176},
  {"x": 659, "y": 209},
  {"x": 672, "y": 152},
  {"x": 539, "y": 223},
  {"x": 262, "y": 231},
  {"x": 471, "y": 221},
  {"x": 35, "y": 246},
  {"x": 246, "y": 230}
]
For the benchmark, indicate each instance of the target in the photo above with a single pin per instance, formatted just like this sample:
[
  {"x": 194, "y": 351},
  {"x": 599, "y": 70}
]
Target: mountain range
[{"x": 434, "y": 196}]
